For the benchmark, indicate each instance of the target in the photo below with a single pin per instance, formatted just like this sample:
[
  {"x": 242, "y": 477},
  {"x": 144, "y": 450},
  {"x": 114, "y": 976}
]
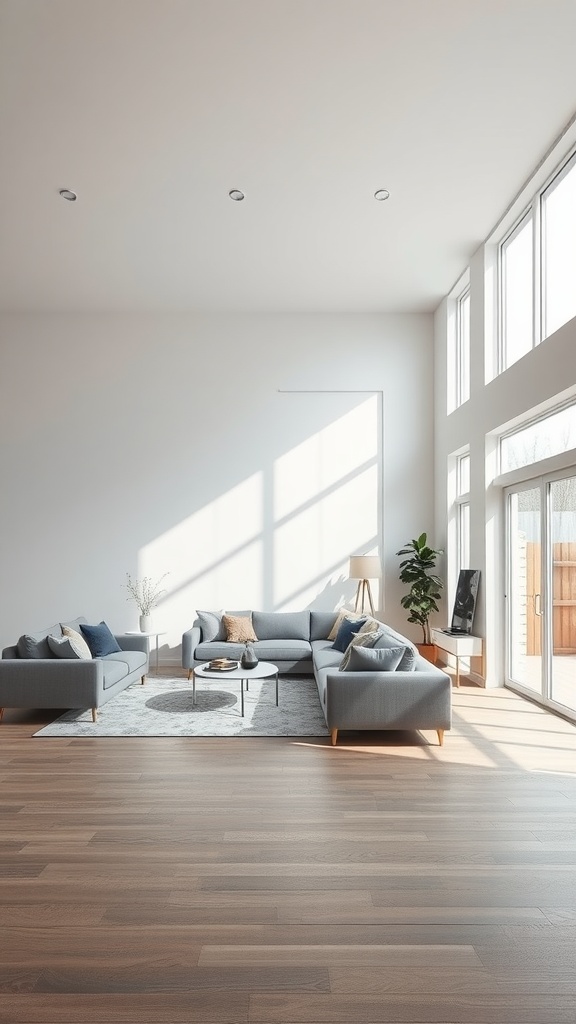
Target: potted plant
[
  {"x": 425, "y": 588},
  {"x": 145, "y": 593}
]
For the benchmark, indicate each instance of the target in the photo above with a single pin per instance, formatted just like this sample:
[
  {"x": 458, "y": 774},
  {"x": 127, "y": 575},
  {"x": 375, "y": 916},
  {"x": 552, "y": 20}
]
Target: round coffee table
[{"x": 263, "y": 670}]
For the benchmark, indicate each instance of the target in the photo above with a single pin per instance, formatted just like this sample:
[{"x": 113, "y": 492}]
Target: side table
[
  {"x": 138, "y": 632},
  {"x": 459, "y": 646}
]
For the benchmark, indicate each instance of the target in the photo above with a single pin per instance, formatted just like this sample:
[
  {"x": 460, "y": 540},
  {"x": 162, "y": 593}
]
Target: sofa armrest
[
  {"x": 190, "y": 640},
  {"x": 50, "y": 682},
  {"x": 392, "y": 700}
]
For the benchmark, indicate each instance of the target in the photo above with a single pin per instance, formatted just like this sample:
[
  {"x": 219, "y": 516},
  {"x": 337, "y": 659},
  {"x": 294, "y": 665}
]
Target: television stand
[{"x": 459, "y": 645}]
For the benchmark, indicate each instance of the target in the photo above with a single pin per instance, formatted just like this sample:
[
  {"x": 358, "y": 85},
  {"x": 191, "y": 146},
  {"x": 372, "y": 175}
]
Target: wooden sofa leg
[
  {"x": 440, "y": 736},
  {"x": 189, "y": 674},
  {"x": 94, "y": 714},
  {"x": 1, "y": 714},
  {"x": 334, "y": 736},
  {"x": 143, "y": 680}
]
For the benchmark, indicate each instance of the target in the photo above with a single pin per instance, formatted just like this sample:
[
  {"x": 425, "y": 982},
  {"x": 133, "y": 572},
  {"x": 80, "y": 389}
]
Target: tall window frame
[
  {"x": 533, "y": 216},
  {"x": 462, "y": 353},
  {"x": 462, "y": 508}
]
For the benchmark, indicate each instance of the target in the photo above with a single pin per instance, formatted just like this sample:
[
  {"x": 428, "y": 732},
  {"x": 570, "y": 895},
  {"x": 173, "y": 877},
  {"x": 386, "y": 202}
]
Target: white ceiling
[{"x": 153, "y": 109}]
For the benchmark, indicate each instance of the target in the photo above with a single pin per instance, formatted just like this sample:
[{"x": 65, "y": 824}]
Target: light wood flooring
[{"x": 278, "y": 881}]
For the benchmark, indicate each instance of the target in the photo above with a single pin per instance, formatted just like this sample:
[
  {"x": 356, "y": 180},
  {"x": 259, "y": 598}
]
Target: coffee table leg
[
  {"x": 276, "y": 689},
  {"x": 242, "y": 697},
  {"x": 193, "y": 686}
]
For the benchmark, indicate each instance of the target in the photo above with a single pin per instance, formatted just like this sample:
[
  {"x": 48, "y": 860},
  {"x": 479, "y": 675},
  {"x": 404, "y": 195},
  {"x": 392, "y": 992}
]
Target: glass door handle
[{"x": 537, "y": 604}]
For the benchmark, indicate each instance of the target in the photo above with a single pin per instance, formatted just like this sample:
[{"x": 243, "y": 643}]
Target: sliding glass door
[{"x": 541, "y": 590}]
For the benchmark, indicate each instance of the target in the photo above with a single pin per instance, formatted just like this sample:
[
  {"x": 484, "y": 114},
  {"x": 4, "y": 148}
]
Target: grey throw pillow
[
  {"x": 211, "y": 625},
  {"x": 388, "y": 639},
  {"x": 64, "y": 647},
  {"x": 374, "y": 659},
  {"x": 359, "y": 640}
]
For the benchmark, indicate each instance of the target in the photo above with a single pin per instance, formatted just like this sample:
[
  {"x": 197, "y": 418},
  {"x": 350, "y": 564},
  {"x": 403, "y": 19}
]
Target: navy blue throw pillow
[
  {"x": 100, "y": 640},
  {"x": 346, "y": 631}
]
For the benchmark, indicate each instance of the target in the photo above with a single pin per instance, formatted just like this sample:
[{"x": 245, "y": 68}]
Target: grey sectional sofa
[
  {"x": 297, "y": 642},
  {"x": 46, "y": 681}
]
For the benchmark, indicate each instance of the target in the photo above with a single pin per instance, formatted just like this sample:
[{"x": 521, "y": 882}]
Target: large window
[
  {"x": 537, "y": 269},
  {"x": 517, "y": 295},
  {"x": 559, "y": 250},
  {"x": 463, "y": 348},
  {"x": 549, "y": 435},
  {"x": 463, "y": 511}
]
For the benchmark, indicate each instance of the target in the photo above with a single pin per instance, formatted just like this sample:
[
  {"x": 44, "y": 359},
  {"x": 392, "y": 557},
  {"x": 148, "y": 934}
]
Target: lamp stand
[{"x": 362, "y": 592}]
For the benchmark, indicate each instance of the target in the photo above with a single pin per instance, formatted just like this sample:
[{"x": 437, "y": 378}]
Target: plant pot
[
  {"x": 145, "y": 623},
  {"x": 428, "y": 651}
]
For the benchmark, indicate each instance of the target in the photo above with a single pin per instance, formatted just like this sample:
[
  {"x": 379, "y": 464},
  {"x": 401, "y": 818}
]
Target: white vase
[{"x": 145, "y": 623}]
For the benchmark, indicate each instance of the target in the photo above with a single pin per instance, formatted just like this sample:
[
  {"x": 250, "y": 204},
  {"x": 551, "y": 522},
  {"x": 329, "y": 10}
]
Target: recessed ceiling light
[
  {"x": 67, "y": 193},
  {"x": 381, "y": 194},
  {"x": 236, "y": 195}
]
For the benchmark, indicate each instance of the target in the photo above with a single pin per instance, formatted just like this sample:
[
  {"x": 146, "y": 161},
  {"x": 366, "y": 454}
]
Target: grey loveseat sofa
[
  {"x": 46, "y": 681},
  {"x": 298, "y": 643}
]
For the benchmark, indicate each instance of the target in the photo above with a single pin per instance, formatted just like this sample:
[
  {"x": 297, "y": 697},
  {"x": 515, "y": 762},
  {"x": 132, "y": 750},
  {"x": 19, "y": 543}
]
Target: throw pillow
[
  {"x": 360, "y": 640},
  {"x": 100, "y": 639},
  {"x": 210, "y": 624},
  {"x": 346, "y": 631},
  {"x": 64, "y": 647},
  {"x": 239, "y": 628},
  {"x": 390, "y": 639},
  {"x": 371, "y": 659},
  {"x": 344, "y": 613},
  {"x": 77, "y": 642}
]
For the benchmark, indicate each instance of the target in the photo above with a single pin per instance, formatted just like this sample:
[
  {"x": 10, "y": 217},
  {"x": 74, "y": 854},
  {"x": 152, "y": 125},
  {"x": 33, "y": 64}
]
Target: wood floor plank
[{"x": 253, "y": 881}]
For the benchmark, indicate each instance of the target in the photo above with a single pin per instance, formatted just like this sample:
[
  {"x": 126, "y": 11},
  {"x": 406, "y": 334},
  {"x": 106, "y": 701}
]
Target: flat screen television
[{"x": 465, "y": 601}]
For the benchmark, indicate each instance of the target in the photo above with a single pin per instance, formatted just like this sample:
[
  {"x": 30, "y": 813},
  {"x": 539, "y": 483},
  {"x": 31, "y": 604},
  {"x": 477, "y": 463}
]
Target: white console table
[{"x": 459, "y": 647}]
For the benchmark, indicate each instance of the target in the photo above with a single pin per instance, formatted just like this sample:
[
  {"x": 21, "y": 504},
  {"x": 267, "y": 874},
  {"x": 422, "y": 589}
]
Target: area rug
[{"x": 163, "y": 707}]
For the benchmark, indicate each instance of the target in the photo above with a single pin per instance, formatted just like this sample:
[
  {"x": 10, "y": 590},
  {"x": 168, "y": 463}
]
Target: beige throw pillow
[
  {"x": 344, "y": 613},
  {"x": 77, "y": 643},
  {"x": 360, "y": 640},
  {"x": 238, "y": 628}
]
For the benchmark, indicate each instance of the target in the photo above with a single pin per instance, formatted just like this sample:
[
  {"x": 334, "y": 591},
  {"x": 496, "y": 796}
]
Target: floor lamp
[{"x": 364, "y": 568}]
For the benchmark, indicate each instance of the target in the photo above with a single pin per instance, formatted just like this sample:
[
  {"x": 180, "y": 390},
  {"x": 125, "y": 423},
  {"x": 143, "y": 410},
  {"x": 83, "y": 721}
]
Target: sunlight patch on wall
[{"x": 326, "y": 507}]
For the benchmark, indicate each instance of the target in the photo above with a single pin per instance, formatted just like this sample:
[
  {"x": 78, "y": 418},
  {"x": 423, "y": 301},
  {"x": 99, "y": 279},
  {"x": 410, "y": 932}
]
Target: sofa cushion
[
  {"x": 135, "y": 660},
  {"x": 321, "y": 645},
  {"x": 344, "y": 613},
  {"x": 370, "y": 659},
  {"x": 281, "y": 625},
  {"x": 100, "y": 639},
  {"x": 218, "y": 649},
  {"x": 283, "y": 650},
  {"x": 239, "y": 628},
  {"x": 35, "y": 645},
  {"x": 328, "y": 658},
  {"x": 320, "y": 624},
  {"x": 113, "y": 672},
  {"x": 360, "y": 640},
  {"x": 347, "y": 629},
  {"x": 68, "y": 647}
]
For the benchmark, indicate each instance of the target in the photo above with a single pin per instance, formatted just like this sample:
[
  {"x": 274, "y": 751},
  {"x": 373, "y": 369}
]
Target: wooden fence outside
[{"x": 563, "y": 598}]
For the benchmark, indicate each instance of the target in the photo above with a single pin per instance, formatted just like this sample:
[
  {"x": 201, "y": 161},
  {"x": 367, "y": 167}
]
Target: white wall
[
  {"x": 152, "y": 443},
  {"x": 543, "y": 377}
]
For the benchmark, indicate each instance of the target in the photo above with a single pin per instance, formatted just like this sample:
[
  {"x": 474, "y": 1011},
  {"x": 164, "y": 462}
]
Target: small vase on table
[
  {"x": 145, "y": 623},
  {"x": 249, "y": 658}
]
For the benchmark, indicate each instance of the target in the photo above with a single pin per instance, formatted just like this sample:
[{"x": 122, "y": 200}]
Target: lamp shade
[{"x": 364, "y": 567}]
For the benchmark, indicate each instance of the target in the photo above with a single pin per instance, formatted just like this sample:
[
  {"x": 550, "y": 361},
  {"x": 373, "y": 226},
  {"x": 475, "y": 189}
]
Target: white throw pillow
[{"x": 77, "y": 643}]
